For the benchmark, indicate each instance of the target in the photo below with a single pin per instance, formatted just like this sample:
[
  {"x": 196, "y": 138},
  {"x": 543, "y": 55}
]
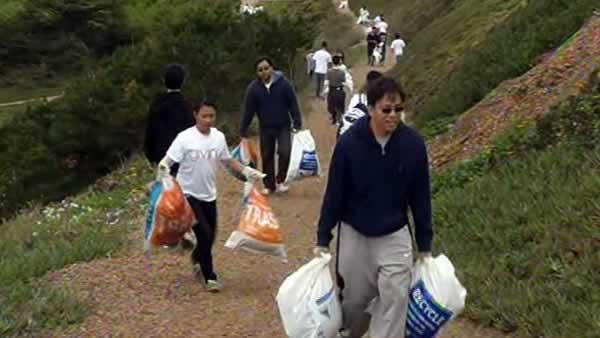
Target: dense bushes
[
  {"x": 102, "y": 117},
  {"x": 59, "y": 34}
]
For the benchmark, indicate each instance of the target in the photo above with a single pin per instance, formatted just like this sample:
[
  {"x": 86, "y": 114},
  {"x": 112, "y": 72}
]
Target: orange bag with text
[
  {"x": 169, "y": 216},
  {"x": 258, "y": 230}
]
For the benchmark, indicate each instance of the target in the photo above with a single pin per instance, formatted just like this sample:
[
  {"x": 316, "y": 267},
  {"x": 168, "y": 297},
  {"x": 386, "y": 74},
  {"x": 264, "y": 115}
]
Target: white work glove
[
  {"x": 252, "y": 174},
  {"x": 318, "y": 250}
]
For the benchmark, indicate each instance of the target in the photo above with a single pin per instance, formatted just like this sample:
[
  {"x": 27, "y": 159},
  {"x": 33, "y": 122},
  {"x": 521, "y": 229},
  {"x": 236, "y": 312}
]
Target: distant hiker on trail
[
  {"x": 363, "y": 16},
  {"x": 349, "y": 83},
  {"x": 322, "y": 60},
  {"x": 336, "y": 81},
  {"x": 198, "y": 149},
  {"x": 310, "y": 65},
  {"x": 272, "y": 98},
  {"x": 382, "y": 27},
  {"x": 169, "y": 114},
  {"x": 379, "y": 169},
  {"x": 357, "y": 107},
  {"x": 398, "y": 46},
  {"x": 372, "y": 41}
]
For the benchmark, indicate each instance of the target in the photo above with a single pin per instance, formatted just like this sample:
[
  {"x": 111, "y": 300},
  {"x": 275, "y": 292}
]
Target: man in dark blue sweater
[
  {"x": 272, "y": 98},
  {"x": 378, "y": 171}
]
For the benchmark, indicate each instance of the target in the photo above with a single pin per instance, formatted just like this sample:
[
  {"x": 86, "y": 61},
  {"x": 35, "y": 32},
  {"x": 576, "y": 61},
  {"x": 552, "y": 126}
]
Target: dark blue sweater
[
  {"x": 371, "y": 188},
  {"x": 276, "y": 108}
]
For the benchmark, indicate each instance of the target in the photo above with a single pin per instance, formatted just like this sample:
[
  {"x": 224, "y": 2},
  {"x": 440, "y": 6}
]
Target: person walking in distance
[
  {"x": 372, "y": 41},
  {"x": 369, "y": 204},
  {"x": 273, "y": 100},
  {"x": 322, "y": 60},
  {"x": 198, "y": 149},
  {"x": 336, "y": 81},
  {"x": 398, "y": 46}
]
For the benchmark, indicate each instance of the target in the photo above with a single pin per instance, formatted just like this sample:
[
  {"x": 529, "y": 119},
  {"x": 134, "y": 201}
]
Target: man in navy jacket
[
  {"x": 272, "y": 98},
  {"x": 378, "y": 171}
]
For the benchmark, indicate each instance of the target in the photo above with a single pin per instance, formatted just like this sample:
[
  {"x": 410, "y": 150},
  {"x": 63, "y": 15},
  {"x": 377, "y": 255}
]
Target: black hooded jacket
[{"x": 169, "y": 114}]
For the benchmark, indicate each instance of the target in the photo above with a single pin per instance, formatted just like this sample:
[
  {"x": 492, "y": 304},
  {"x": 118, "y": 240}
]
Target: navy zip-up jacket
[
  {"x": 371, "y": 188},
  {"x": 276, "y": 107}
]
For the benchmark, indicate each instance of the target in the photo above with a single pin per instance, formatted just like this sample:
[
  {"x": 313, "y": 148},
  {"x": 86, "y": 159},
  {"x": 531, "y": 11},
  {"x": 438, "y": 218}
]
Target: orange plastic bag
[
  {"x": 170, "y": 216},
  {"x": 258, "y": 230}
]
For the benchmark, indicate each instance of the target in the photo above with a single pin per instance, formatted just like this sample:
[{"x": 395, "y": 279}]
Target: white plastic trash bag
[
  {"x": 304, "y": 161},
  {"x": 308, "y": 301},
  {"x": 435, "y": 298}
]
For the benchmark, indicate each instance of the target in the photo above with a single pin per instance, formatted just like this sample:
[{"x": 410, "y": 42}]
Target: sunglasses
[{"x": 397, "y": 110}]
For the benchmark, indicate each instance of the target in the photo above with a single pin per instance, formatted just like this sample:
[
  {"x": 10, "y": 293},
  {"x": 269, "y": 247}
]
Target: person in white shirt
[
  {"x": 363, "y": 17},
  {"x": 322, "y": 60},
  {"x": 357, "y": 107},
  {"x": 382, "y": 25},
  {"x": 197, "y": 150},
  {"x": 398, "y": 46}
]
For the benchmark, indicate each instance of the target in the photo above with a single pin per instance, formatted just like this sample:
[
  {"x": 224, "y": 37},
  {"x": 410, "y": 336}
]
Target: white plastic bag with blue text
[
  {"x": 308, "y": 301},
  {"x": 435, "y": 298},
  {"x": 304, "y": 161}
]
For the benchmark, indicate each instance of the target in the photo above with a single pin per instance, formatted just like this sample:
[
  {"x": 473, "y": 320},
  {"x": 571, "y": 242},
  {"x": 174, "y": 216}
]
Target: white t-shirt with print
[
  {"x": 398, "y": 46},
  {"x": 322, "y": 60},
  {"x": 198, "y": 156}
]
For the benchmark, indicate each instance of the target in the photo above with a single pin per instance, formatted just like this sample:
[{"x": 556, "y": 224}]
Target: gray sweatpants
[{"x": 377, "y": 277}]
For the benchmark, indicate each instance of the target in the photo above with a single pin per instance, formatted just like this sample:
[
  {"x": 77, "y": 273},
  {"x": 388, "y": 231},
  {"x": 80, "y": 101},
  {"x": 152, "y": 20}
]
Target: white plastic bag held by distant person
[
  {"x": 435, "y": 298},
  {"x": 308, "y": 301},
  {"x": 304, "y": 161}
]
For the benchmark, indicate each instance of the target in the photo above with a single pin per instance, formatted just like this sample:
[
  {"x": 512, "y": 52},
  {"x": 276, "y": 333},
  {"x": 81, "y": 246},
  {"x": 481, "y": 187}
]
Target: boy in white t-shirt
[
  {"x": 398, "y": 46},
  {"x": 198, "y": 149}
]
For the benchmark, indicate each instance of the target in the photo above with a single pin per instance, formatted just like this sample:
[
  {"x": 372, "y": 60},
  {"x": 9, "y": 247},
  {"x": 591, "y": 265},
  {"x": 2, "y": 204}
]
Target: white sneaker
[
  {"x": 282, "y": 188},
  {"x": 213, "y": 286},
  {"x": 265, "y": 191}
]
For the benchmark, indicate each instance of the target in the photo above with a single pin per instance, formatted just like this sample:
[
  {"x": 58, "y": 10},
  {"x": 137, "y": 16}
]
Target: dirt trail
[{"x": 134, "y": 296}]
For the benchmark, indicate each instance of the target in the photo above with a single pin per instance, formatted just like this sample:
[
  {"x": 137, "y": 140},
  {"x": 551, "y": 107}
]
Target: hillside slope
[{"x": 524, "y": 98}]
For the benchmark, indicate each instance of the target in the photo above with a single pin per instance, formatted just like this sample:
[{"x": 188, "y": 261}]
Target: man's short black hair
[
  {"x": 373, "y": 75},
  {"x": 263, "y": 58},
  {"x": 324, "y": 44},
  {"x": 206, "y": 101},
  {"x": 174, "y": 76},
  {"x": 382, "y": 87},
  {"x": 337, "y": 60}
]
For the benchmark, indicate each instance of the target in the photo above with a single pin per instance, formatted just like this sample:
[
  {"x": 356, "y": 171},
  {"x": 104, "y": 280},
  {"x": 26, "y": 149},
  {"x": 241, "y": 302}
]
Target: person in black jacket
[
  {"x": 272, "y": 98},
  {"x": 370, "y": 205},
  {"x": 169, "y": 114}
]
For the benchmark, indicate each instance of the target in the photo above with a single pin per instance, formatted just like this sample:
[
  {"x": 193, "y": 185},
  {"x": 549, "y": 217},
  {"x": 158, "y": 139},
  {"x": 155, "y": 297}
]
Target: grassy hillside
[
  {"x": 460, "y": 50},
  {"x": 521, "y": 222}
]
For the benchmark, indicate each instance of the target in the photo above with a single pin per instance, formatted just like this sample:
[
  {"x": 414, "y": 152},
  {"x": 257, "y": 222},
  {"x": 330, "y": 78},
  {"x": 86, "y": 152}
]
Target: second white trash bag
[
  {"x": 308, "y": 301},
  {"x": 435, "y": 298},
  {"x": 304, "y": 160}
]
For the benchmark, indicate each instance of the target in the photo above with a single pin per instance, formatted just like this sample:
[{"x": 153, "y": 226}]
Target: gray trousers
[{"x": 377, "y": 276}]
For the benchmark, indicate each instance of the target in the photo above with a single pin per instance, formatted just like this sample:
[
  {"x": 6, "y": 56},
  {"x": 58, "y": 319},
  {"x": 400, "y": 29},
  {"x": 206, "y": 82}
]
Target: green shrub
[
  {"x": 62, "y": 33},
  {"x": 101, "y": 119}
]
